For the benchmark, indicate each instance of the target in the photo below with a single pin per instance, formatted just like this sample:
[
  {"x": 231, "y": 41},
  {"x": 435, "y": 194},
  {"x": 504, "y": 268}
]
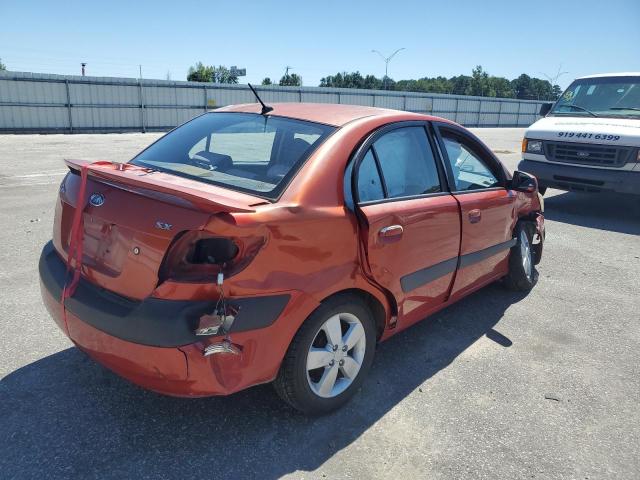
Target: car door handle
[
  {"x": 391, "y": 231},
  {"x": 475, "y": 215}
]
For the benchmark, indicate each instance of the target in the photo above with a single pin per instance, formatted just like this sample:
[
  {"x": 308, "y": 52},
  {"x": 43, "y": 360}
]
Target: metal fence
[{"x": 44, "y": 103}]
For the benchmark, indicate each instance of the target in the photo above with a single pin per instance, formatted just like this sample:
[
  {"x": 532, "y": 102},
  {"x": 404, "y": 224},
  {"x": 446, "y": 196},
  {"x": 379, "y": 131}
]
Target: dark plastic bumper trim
[{"x": 152, "y": 321}]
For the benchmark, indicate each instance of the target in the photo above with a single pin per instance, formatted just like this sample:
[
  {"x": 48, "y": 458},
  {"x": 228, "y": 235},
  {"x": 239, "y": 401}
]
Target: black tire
[
  {"x": 292, "y": 384},
  {"x": 518, "y": 279},
  {"x": 542, "y": 190}
]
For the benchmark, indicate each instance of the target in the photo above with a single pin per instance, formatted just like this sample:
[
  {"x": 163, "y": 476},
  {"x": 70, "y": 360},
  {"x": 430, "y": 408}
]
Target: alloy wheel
[
  {"x": 336, "y": 355},
  {"x": 525, "y": 253}
]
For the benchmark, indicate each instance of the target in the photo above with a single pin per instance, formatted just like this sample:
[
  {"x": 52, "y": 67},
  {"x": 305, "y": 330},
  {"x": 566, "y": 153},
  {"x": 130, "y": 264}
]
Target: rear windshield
[
  {"x": 601, "y": 97},
  {"x": 242, "y": 151}
]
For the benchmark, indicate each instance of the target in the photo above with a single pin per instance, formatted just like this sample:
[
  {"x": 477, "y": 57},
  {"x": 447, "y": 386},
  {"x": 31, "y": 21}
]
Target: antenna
[{"x": 265, "y": 108}]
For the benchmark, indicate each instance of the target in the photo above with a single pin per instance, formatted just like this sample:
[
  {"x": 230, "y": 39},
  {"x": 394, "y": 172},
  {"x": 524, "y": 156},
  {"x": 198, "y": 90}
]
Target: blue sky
[{"x": 321, "y": 38}]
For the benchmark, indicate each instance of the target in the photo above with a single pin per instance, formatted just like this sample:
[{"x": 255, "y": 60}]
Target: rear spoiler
[{"x": 143, "y": 181}]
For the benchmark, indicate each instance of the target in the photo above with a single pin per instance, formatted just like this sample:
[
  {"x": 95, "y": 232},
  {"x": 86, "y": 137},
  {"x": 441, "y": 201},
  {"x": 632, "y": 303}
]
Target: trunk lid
[{"x": 132, "y": 219}]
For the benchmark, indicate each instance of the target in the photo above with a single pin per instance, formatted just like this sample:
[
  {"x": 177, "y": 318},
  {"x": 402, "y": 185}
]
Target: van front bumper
[
  {"x": 583, "y": 179},
  {"x": 152, "y": 344}
]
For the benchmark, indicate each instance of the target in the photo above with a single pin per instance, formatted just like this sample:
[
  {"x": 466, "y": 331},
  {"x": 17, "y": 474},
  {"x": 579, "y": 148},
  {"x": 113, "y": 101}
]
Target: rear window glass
[{"x": 241, "y": 151}]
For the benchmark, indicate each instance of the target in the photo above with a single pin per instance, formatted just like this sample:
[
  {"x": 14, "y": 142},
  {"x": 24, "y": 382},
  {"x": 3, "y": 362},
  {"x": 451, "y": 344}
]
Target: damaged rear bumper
[{"x": 152, "y": 342}]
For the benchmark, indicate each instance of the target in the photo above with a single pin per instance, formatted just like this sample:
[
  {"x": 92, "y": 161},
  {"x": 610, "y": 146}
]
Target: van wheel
[
  {"x": 329, "y": 357},
  {"x": 522, "y": 274}
]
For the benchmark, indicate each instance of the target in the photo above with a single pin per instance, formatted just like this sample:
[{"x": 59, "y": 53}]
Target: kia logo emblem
[{"x": 96, "y": 199}]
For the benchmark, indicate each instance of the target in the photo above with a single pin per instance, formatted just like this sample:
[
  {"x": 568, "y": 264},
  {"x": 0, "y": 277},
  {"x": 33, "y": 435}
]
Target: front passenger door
[{"x": 478, "y": 181}]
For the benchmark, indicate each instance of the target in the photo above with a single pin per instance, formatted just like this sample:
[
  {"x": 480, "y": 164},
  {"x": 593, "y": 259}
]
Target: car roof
[
  {"x": 621, "y": 74},
  {"x": 327, "y": 113}
]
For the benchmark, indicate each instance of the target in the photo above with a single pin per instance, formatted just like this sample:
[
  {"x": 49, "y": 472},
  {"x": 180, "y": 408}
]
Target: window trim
[
  {"x": 477, "y": 147},
  {"x": 402, "y": 199},
  {"x": 354, "y": 165},
  {"x": 376, "y": 159}
]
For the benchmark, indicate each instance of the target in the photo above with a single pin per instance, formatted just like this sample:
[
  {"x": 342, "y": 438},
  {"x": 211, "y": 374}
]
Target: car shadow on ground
[
  {"x": 604, "y": 211},
  {"x": 66, "y": 416}
]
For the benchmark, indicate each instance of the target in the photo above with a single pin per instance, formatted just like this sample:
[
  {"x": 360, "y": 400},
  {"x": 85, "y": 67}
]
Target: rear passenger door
[
  {"x": 478, "y": 181},
  {"x": 411, "y": 223}
]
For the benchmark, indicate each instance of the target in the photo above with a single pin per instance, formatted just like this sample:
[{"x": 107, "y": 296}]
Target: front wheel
[
  {"x": 329, "y": 356},
  {"x": 522, "y": 274}
]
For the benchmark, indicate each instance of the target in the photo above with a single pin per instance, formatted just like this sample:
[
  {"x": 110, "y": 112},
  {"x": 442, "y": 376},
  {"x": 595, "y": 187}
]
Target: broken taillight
[{"x": 196, "y": 256}]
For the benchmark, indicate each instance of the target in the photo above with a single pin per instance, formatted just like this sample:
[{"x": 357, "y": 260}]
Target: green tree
[
  {"x": 210, "y": 74},
  {"x": 461, "y": 85},
  {"x": 388, "y": 83},
  {"x": 291, "y": 80},
  {"x": 372, "y": 82},
  {"x": 351, "y": 80},
  {"x": 200, "y": 73},
  {"x": 480, "y": 84},
  {"x": 541, "y": 89},
  {"x": 501, "y": 87},
  {"x": 267, "y": 81},
  {"x": 2, "y": 65},
  {"x": 522, "y": 87},
  {"x": 334, "y": 81}
]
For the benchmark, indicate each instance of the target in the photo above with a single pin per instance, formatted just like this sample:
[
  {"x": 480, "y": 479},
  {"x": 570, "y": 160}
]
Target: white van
[{"x": 589, "y": 140}]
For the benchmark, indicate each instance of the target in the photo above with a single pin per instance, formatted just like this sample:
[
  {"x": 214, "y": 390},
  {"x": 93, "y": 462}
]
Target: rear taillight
[
  {"x": 213, "y": 251},
  {"x": 199, "y": 256}
]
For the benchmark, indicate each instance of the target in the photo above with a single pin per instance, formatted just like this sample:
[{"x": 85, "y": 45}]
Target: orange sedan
[{"x": 257, "y": 244}]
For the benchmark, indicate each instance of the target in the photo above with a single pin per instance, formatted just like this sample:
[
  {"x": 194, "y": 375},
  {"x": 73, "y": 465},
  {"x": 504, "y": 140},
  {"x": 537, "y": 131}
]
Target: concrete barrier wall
[{"x": 45, "y": 103}]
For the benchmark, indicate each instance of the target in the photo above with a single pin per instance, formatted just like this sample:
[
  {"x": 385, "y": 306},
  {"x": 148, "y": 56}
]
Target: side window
[
  {"x": 470, "y": 172},
  {"x": 369, "y": 184},
  {"x": 407, "y": 162}
]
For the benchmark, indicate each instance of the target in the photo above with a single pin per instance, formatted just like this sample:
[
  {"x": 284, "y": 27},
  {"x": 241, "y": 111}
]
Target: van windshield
[
  {"x": 601, "y": 97},
  {"x": 248, "y": 152}
]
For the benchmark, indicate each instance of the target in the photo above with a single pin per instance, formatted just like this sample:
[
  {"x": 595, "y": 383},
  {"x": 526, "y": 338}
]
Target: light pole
[
  {"x": 386, "y": 63},
  {"x": 554, "y": 80}
]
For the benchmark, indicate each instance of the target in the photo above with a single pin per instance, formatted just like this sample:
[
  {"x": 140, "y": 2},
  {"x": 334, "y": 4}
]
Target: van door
[
  {"x": 411, "y": 223},
  {"x": 478, "y": 181}
]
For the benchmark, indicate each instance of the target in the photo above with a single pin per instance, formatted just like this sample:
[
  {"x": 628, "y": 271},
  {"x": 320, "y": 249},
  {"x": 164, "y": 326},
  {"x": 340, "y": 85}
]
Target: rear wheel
[
  {"x": 522, "y": 274},
  {"x": 329, "y": 356}
]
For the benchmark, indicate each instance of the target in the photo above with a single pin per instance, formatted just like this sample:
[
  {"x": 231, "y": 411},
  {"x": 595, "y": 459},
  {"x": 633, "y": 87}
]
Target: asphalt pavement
[{"x": 500, "y": 385}]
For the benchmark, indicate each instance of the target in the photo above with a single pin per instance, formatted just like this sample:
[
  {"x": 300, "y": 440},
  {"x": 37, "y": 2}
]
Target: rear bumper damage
[{"x": 152, "y": 342}]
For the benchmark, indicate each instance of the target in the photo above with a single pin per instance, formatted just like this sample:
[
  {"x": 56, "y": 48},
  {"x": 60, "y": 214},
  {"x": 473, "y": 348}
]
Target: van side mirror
[
  {"x": 545, "y": 108},
  {"x": 523, "y": 182}
]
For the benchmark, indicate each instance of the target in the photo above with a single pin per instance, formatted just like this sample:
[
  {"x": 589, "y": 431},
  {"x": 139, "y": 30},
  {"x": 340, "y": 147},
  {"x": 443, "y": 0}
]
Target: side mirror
[
  {"x": 545, "y": 108},
  {"x": 523, "y": 182}
]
